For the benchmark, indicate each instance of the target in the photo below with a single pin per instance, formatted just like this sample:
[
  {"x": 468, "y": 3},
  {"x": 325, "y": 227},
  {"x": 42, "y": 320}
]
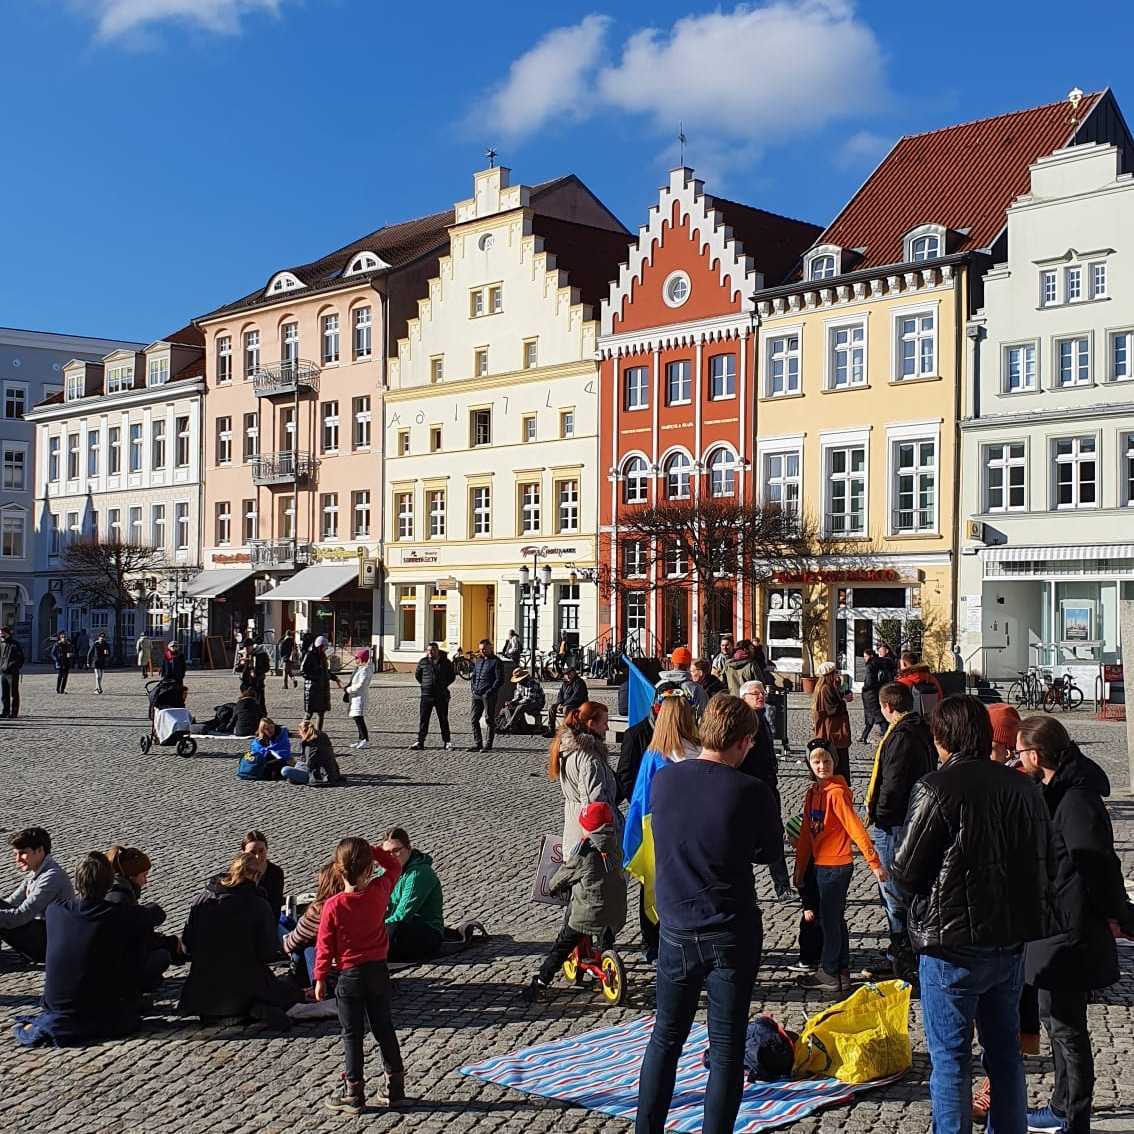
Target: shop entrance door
[{"x": 479, "y": 607}]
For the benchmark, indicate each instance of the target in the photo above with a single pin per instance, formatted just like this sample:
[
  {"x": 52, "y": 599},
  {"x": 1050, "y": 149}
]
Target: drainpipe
[
  {"x": 958, "y": 349},
  {"x": 384, "y": 307}
]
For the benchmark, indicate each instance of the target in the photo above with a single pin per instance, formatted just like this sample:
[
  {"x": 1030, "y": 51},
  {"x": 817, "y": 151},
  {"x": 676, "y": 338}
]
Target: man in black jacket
[
  {"x": 880, "y": 671},
  {"x": 760, "y": 761},
  {"x": 977, "y": 862},
  {"x": 904, "y": 755},
  {"x": 11, "y": 662},
  {"x": 572, "y": 693},
  {"x": 434, "y": 674},
  {"x": 487, "y": 677}
]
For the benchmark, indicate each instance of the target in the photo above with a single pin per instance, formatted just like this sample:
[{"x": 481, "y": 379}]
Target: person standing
[
  {"x": 927, "y": 691},
  {"x": 723, "y": 656},
  {"x": 358, "y": 690},
  {"x": 710, "y": 823},
  {"x": 317, "y": 680},
  {"x": 702, "y": 673},
  {"x": 62, "y": 657},
  {"x": 97, "y": 658},
  {"x": 434, "y": 673},
  {"x": 977, "y": 863},
  {"x": 11, "y": 662},
  {"x": 287, "y": 658},
  {"x": 513, "y": 648},
  {"x": 21, "y": 914},
  {"x": 761, "y": 762},
  {"x": 681, "y": 660},
  {"x": 143, "y": 655},
  {"x": 1090, "y": 894},
  {"x": 487, "y": 677},
  {"x": 579, "y": 759},
  {"x": 830, "y": 719},
  {"x": 879, "y": 671}
]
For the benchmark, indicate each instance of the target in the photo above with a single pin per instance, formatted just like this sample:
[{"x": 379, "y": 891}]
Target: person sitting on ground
[
  {"x": 593, "y": 876},
  {"x": 96, "y": 952},
  {"x": 231, "y": 938},
  {"x": 572, "y": 693},
  {"x": 246, "y": 714},
  {"x": 701, "y": 673},
  {"x": 681, "y": 659},
  {"x": 255, "y": 843},
  {"x": 22, "y": 925},
  {"x": 415, "y": 919},
  {"x": 131, "y": 876},
  {"x": 299, "y": 943},
  {"x": 268, "y": 754},
  {"x": 318, "y": 754}
]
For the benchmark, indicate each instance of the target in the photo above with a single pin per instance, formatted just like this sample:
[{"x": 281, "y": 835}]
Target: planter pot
[{"x": 807, "y": 684}]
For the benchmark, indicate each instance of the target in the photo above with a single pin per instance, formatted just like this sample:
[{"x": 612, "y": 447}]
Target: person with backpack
[
  {"x": 927, "y": 692},
  {"x": 879, "y": 671},
  {"x": 317, "y": 679},
  {"x": 97, "y": 657}
]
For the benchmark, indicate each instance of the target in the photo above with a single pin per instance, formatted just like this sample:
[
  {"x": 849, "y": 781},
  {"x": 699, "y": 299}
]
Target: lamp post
[{"x": 535, "y": 582}]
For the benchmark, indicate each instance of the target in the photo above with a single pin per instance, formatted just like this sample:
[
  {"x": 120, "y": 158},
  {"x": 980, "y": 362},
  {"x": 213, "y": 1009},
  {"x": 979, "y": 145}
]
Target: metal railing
[
  {"x": 288, "y": 377},
  {"x": 281, "y": 553},
  {"x": 281, "y": 468}
]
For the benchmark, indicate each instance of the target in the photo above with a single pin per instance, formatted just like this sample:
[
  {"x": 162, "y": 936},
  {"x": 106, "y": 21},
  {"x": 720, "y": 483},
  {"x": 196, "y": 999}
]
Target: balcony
[
  {"x": 280, "y": 554},
  {"x": 282, "y": 468},
  {"x": 294, "y": 376}
]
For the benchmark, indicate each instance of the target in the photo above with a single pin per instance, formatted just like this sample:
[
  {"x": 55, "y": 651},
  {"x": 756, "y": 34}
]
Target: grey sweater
[{"x": 35, "y": 893}]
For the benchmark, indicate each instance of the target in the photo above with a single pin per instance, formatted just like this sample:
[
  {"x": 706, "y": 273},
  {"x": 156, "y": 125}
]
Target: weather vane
[
  {"x": 682, "y": 139},
  {"x": 490, "y": 153}
]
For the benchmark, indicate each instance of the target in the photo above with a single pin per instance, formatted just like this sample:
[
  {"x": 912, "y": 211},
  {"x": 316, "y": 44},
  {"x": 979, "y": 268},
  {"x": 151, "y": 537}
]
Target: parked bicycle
[
  {"x": 1062, "y": 693},
  {"x": 463, "y": 663},
  {"x": 1029, "y": 690}
]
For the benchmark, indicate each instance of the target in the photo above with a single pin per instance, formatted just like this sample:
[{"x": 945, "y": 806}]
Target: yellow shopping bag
[{"x": 865, "y": 1037}]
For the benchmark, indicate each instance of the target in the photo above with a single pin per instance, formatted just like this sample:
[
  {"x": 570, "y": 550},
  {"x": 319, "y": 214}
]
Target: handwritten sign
[{"x": 550, "y": 860}]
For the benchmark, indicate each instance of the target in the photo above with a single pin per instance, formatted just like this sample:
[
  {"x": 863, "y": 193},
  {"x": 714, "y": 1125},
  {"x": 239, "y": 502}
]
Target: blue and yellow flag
[
  {"x": 638, "y": 838},
  {"x": 640, "y": 698}
]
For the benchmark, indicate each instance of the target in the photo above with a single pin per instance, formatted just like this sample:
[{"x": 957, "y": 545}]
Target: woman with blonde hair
[
  {"x": 579, "y": 760},
  {"x": 675, "y": 729},
  {"x": 829, "y": 717}
]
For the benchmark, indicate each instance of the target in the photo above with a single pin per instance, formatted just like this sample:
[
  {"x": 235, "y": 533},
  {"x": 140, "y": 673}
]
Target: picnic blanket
[{"x": 599, "y": 1070}]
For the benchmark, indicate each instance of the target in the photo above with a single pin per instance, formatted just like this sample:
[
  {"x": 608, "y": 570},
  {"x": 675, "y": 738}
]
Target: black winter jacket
[
  {"x": 879, "y": 672},
  {"x": 123, "y": 892},
  {"x": 11, "y": 656},
  {"x": 907, "y": 755},
  {"x": 1089, "y": 888},
  {"x": 572, "y": 693},
  {"x": 435, "y": 677},
  {"x": 977, "y": 859},
  {"x": 487, "y": 676},
  {"x": 635, "y": 741},
  {"x": 761, "y": 758}
]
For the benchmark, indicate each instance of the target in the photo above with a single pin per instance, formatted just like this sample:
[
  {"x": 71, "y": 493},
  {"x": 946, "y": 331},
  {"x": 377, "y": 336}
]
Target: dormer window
[
  {"x": 285, "y": 281},
  {"x": 925, "y": 243},
  {"x": 823, "y": 263},
  {"x": 76, "y": 385},
  {"x": 363, "y": 262}
]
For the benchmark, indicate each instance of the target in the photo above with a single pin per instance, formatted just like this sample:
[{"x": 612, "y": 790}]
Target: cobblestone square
[{"x": 73, "y": 765}]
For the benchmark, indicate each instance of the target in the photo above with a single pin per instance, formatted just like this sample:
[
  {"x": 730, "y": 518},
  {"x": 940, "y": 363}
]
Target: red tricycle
[{"x": 605, "y": 965}]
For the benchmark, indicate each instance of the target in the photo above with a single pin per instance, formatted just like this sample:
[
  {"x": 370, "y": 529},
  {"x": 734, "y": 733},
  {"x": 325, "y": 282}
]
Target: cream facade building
[{"x": 490, "y": 425}]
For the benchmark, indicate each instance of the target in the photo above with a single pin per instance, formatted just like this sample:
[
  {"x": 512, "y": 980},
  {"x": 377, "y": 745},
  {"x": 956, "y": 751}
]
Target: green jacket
[
  {"x": 417, "y": 893},
  {"x": 594, "y": 876}
]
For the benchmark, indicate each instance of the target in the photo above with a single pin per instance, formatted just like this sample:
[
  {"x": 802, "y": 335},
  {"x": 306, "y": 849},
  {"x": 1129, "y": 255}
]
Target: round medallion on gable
[
  {"x": 676, "y": 289},
  {"x": 486, "y": 242}
]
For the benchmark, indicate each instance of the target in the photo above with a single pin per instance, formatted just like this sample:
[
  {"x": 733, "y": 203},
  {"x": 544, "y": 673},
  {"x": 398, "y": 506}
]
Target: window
[
  {"x": 634, "y": 612},
  {"x": 1076, "y": 472},
  {"x": 633, "y": 559},
  {"x": 224, "y": 358},
  {"x": 360, "y": 512},
  {"x": 678, "y": 383},
  {"x": 329, "y": 510},
  {"x": 781, "y": 480},
  {"x": 480, "y": 361},
  {"x": 251, "y": 436},
  {"x": 496, "y": 299},
  {"x": 529, "y": 509},
  {"x": 329, "y": 430},
  {"x": 435, "y": 438},
  {"x": 1098, "y": 281},
  {"x": 73, "y": 452},
  {"x": 403, "y": 508},
  {"x": 676, "y": 289},
  {"x": 157, "y": 526},
  {"x": 1019, "y": 368},
  {"x": 568, "y": 611},
  {"x": 678, "y": 476},
  {"x": 634, "y": 480},
  {"x": 1127, "y": 448},
  {"x": 676, "y": 560},
  {"x": 330, "y": 324},
  {"x": 114, "y": 447},
  {"x": 1004, "y": 477},
  {"x": 566, "y": 423},
  {"x": 722, "y": 472},
  {"x": 847, "y": 356},
  {"x": 289, "y": 343},
  {"x": 181, "y": 526},
  {"x": 783, "y": 365},
  {"x": 822, "y": 268},
  {"x": 73, "y": 531},
  {"x": 286, "y": 431},
  {"x": 846, "y": 490},
  {"x": 250, "y": 521},
  {"x": 182, "y": 424},
  {"x": 223, "y": 521},
  {"x": 925, "y": 248},
  {"x": 365, "y": 262},
  {"x": 53, "y": 448},
  {"x": 119, "y": 378},
  {"x": 437, "y": 368},
  {"x": 157, "y": 445},
  {"x": 1121, "y": 356},
  {"x": 435, "y": 500},
  {"x": 636, "y": 387},
  {"x": 915, "y": 486},
  {"x": 528, "y": 427},
  {"x": 476, "y": 303},
  {"x": 224, "y": 441},
  {"x": 1048, "y": 289},
  {"x": 722, "y": 376},
  {"x": 1074, "y": 358},
  {"x": 407, "y": 616},
  {"x": 403, "y": 442},
  {"x": 568, "y": 506},
  {"x": 360, "y": 408},
  {"x": 76, "y": 385},
  {"x": 158, "y": 371},
  {"x": 481, "y": 510},
  {"x": 1072, "y": 284},
  {"x": 531, "y": 353},
  {"x": 363, "y": 332},
  {"x": 480, "y": 427},
  {"x": 55, "y": 535},
  {"x": 12, "y": 535},
  {"x": 14, "y": 474},
  {"x": 917, "y": 345},
  {"x": 251, "y": 353},
  {"x": 93, "y": 442},
  {"x": 15, "y": 402},
  {"x": 135, "y": 449}
]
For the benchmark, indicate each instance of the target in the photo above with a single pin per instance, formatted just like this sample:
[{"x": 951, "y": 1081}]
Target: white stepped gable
[{"x": 706, "y": 225}]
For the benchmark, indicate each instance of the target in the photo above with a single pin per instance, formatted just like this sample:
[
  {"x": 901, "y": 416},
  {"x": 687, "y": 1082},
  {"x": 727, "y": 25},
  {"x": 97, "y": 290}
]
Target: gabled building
[
  {"x": 490, "y": 424},
  {"x": 862, "y": 374},
  {"x": 677, "y": 398}
]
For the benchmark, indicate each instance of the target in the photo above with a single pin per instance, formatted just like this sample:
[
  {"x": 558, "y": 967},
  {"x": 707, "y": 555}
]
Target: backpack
[
  {"x": 251, "y": 766},
  {"x": 925, "y": 698}
]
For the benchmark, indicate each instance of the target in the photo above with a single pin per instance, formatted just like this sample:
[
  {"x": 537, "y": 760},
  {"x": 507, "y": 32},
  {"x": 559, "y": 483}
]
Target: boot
[
  {"x": 394, "y": 1095},
  {"x": 348, "y": 1098}
]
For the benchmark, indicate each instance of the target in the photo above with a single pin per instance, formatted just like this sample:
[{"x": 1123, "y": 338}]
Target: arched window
[
  {"x": 363, "y": 262},
  {"x": 722, "y": 472},
  {"x": 678, "y": 474},
  {"x": 926, "y": 242},
  {"x": 635, "y": 476},
  {"x": 822, "y": 268},
  {"x": 283, "y": 281}
]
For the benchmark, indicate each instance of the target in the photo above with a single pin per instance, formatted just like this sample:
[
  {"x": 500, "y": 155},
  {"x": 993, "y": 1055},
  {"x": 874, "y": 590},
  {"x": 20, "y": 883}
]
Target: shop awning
[
  {"x": 1005, "y": 554},
  {"x": 215, "y": 581},
  {"x": 318, "y": 582}
]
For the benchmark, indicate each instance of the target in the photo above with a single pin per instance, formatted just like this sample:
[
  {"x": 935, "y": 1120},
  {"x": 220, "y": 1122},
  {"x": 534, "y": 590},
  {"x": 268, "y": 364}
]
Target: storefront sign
[
  {"x": 874, "y": 575},
  {"x": 413, "y": 557},
  {"x": 235, "y": 557},
  {"x": 531, "y": 549},
  {"x": 339, "y": 553}
]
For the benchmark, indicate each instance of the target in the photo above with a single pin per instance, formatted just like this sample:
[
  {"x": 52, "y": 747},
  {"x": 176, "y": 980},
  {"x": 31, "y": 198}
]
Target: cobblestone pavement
[{"x": 72, "y": 763}]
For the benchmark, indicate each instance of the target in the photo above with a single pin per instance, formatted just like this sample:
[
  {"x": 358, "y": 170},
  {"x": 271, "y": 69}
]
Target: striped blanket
[{"x": 599, "y": 1070}]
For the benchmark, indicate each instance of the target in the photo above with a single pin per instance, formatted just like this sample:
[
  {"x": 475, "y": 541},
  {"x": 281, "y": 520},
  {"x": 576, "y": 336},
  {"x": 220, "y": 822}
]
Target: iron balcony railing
[
  {"x": 280, "y": 553},
  {"x": 282, "y": 468},
  {"x": 288, "y": 377}
]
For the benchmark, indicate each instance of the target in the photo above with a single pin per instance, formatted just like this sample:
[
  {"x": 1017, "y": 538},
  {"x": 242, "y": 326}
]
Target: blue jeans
[
  {"x": 886, "y": 843},
  {"x": 724, "y": 962},
  {"x": 834, "y": 882},
  {"x": 964, "y": 986}
]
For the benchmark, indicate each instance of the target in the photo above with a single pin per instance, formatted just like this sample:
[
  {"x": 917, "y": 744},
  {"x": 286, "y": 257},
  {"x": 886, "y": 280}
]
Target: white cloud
[
  {"x": 550, "y": 80},
  {"x": 863, "y": 147},
  {"x": 116, "y": 19}
]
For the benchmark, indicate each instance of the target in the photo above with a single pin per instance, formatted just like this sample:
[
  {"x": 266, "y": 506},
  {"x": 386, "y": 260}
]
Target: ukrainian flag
[{"x": 637, "y": 838}]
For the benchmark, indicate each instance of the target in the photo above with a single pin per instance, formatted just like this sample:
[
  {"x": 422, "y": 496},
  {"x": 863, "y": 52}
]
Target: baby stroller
[
  {"x": 527, "y": 701},
  {"x": 170, "y": 721}
]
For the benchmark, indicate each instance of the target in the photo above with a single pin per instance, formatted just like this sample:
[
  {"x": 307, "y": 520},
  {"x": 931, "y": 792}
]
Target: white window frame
[
  {"x": 157, "y": 526},
  {"x": 480, "y": 511},
  {"x": 916, "y": 238},
  {"x": 1074, "y": 459},
  {"x": 1073, "y": 282},
  {"x": 722, "y": 467},
  {"x": 477, "y": 418},
  {"x": 330, "y": 338},
  {"x": 567, "y": 506},
  {"x": 15, "y": 400},
  {"x": 54, "y": 459},
  {"x": 636, "y": 390},
  {"x": 821, "y": 258},
  {"x": 1048, "y": 287},
  {"x": 531, "y": 514},
  {"x": 362, "y": 341},
  {"x": 114, "y": 450},
  {"x": 289, "y": 342},
  {"x": 1098, "y": 279},
  {"x": 404, "y": 513},
  {"x": 632, "y": 558},
  {"x": 222, "y": 520},
  {"x": 13, "y": 532},
  {"x": 780, "y": 477},
  {"x": 1005, "y": 464},
  {"x": 14, "y": 460},
  {"x": 676, "y": 289},
  {"x": 1032, "y": 383},
  {"x": 157, "y": 444},
  {"x": 360, "y": 514},
  {"x": 681, "y": 475},
  {"x": 329, "y": 515},
  {"x": 919, "y": 472},
  {"x": 918, "y": 336},
  {"x": 685, "y": 382},
  {"x": 1125, "y": 337},
  {"x": 224, "y": 359},
  {"x": 783, "y": 363},
  {"x": 224, "y": 440},
  {"x": 181, "y": 526},
  {"x": 251, "y": 447},
  {"x": 76, "y": 386},
  {"x": 94, "y": 452},
  {"x": 435, "y": 499},
  {"x": 831, "y": 331},
  {"x": 1126, "y": 468},
  {"x": 1078, "y": 363},
  {"x": 845, "y": 439},
  {"x": 361, "y": 435},
  {"x": 726, "y": 379},
  {"x": 136, "y": 445},
  {"x": 251, "y": 342},
  {"x": 638, "y": 480},
  {"x": 249, "y": 520},
  {"x": 329, "y": 426},
  {"x": 183, "y": 428},
  {"x": 157, "y": 371},
  {"x": 74, "y": 463}
]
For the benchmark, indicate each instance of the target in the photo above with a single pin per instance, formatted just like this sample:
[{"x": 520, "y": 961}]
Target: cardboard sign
[{"x": 550, "y": 860}]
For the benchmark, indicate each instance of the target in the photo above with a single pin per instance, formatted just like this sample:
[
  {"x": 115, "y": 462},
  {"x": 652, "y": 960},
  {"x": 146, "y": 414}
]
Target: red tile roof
[
  {"x": 963, "y": 177},
  {"x": 774, "y": 242}
]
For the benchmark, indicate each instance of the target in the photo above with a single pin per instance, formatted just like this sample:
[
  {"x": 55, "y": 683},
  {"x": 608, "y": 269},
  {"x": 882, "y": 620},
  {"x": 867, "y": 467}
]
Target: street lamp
[{"x": 535, "y": 583}]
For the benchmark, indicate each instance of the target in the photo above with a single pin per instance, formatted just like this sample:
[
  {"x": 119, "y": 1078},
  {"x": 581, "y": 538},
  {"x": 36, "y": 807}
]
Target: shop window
[
  {"x": 407, "y": 616},
  {"x": 783, "y": 629}
]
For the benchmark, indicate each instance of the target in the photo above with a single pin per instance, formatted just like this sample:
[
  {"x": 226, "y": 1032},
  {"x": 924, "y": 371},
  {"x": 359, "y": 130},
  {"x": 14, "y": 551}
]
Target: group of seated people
[
  {"x": 105, "y": 958},
  {"x": 269, "y": 755}
]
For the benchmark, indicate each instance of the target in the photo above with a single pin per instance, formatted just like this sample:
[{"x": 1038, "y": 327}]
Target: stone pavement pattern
[{"x": 73, "y": 764}]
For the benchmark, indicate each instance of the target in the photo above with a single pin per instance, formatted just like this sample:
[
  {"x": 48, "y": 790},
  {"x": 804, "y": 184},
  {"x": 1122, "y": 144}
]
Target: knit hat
[
  {"x": 793, "y": 826},
  {"x": 1005, "y": 724},
  {"x": 681, "y": 656},
  {"x": 595, "y": 816}
]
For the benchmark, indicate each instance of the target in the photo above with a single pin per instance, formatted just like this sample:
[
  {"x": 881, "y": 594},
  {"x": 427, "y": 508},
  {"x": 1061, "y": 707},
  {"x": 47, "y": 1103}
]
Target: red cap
[
  {"x": 681, "y": 656},
  {"x": 1005, "y": 724},
  {"x": 596, "y": 815}
]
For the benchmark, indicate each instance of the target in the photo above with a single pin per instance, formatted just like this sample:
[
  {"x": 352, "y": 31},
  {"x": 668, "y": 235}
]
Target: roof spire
[
  {"x": 1074, "y": 97},
  {"x": 681, "y": 140},
  {"x": 490, "y": 153}
]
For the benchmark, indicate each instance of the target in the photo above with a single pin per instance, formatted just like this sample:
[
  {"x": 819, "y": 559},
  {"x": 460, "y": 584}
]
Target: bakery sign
[
  {"x": 542, "y": 552},
  {"x": 835, "y": 576},
  {"x": 235, "y": 557},
  {"x": 413, "y": 557}
]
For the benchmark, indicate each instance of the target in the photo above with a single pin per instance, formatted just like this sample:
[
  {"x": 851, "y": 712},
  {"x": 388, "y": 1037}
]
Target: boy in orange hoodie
[{"x": 830, "y": 824}]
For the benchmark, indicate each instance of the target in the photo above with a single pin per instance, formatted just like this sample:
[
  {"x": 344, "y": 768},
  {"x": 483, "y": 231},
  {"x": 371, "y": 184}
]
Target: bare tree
[{"x": 103, "y": 573}]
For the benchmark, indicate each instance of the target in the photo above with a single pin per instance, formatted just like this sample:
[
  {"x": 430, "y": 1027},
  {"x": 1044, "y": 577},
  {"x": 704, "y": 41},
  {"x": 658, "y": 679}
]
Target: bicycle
[
  {"x": 1029, "y": 691},
  {"x": 603, "y": 965},
  {"x": 1064, "y": 693},
  {"x": 463, "y": 664}
]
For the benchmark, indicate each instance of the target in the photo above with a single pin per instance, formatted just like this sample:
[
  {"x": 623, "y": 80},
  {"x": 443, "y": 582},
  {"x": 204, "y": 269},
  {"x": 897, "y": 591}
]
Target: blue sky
[{"x": 162, "y": 157}]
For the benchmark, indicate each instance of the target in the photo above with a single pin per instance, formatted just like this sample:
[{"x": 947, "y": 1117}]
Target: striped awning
[{"x": 1006, "y": 554}]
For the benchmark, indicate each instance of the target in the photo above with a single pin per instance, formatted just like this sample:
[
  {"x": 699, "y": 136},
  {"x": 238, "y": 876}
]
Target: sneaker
[
  {"x": 348, "y": 1098},
  {"x": 1046, "y": 1121},
  {"x": 416, "y": 746},
  {"x": 534, "y": 990},
  {"x": 475, "y": 748},
  {"x": 394, "y": 1096},
  {"x": 448, "y": 746},
  {"x": 361, "y": 745},
  {"x": 821, "y": 980},
  {"x": 802, "y": 967}
]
